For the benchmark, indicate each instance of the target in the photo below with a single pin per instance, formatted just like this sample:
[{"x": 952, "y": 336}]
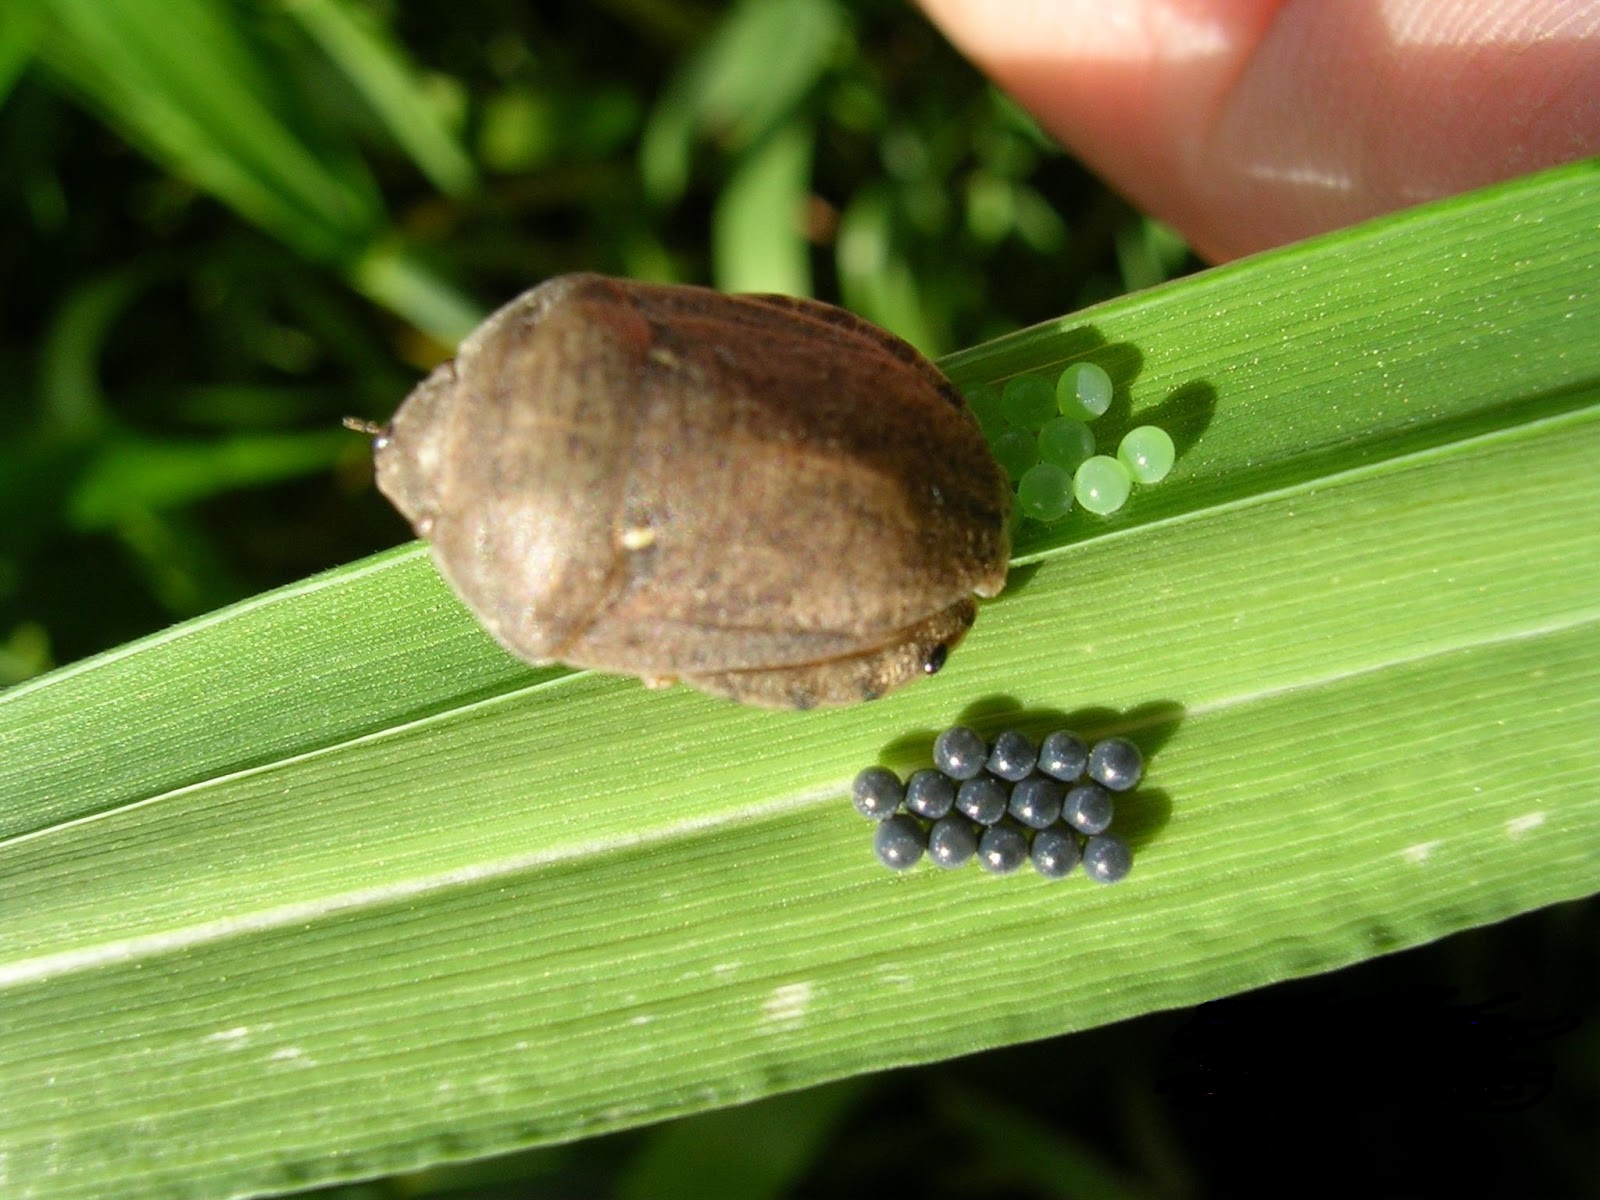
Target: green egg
[
  {"x": 1147, "y": 453},
  {"x": 1101, "y": 485},
  {"x": 1015, "y": 450},
  {"x": 984, "y": 400},
  {"x": 1066, "y": 443},
  {"x": 1083, "y": 391},
  {"x": 1028, "y": 400},
  {"x": 1045, "y": 492}
]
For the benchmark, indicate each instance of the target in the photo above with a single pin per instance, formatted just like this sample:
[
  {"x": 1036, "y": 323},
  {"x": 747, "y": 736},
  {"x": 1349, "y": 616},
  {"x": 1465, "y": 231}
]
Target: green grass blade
[
  {"x": 231, "y": 691},
  {"x": 184, "y": 81},
  {"x": 759, "y": 240},
  {"x": 874, "y": 276},
  {"x": 19, "y": 32},
  {"x": 135, "y": 473},
  {"x": 402, "y": 283},
  {"x": 744, "y": 82},
  {"x": 323, "y": 887},
  {"x": 178, "y": 78},
  {"x": 377, "y": 66}
]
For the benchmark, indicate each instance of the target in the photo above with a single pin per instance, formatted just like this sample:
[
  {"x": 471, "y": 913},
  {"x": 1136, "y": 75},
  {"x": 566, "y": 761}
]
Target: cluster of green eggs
[
  {"x": 1005, "y": 803},
  {"x": 1039, "y": 431}
]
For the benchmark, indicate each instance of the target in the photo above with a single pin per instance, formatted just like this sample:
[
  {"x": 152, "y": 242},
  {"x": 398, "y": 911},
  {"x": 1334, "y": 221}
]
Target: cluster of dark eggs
[{"x": 1004, "y": 804}]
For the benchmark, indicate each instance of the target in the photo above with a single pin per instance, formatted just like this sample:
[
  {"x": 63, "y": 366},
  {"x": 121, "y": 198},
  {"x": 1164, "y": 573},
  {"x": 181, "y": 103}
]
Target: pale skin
[{"x": 1246, "y": 124}]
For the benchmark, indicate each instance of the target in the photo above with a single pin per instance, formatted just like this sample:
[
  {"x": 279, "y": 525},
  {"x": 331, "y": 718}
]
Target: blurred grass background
[{"x": 226, "y": 224}]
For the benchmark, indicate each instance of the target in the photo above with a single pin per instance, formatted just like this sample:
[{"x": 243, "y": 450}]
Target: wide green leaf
[{"x": 324, "y": 886}]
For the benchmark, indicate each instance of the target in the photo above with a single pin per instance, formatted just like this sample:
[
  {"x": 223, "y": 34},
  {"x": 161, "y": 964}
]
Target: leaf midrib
[{"x": 55, "y": 964}]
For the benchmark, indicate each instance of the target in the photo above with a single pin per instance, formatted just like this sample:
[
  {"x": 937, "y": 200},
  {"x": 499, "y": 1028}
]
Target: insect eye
[{"x": 936, "y": 658}]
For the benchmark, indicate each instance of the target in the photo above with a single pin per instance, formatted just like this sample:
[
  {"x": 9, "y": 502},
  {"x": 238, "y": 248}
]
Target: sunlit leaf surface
[{"x": 324, "y": 886}]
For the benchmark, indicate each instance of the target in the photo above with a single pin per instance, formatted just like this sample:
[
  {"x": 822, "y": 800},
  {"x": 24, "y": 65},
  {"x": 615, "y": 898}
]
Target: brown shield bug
[{"x": 765, "y": 497}]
